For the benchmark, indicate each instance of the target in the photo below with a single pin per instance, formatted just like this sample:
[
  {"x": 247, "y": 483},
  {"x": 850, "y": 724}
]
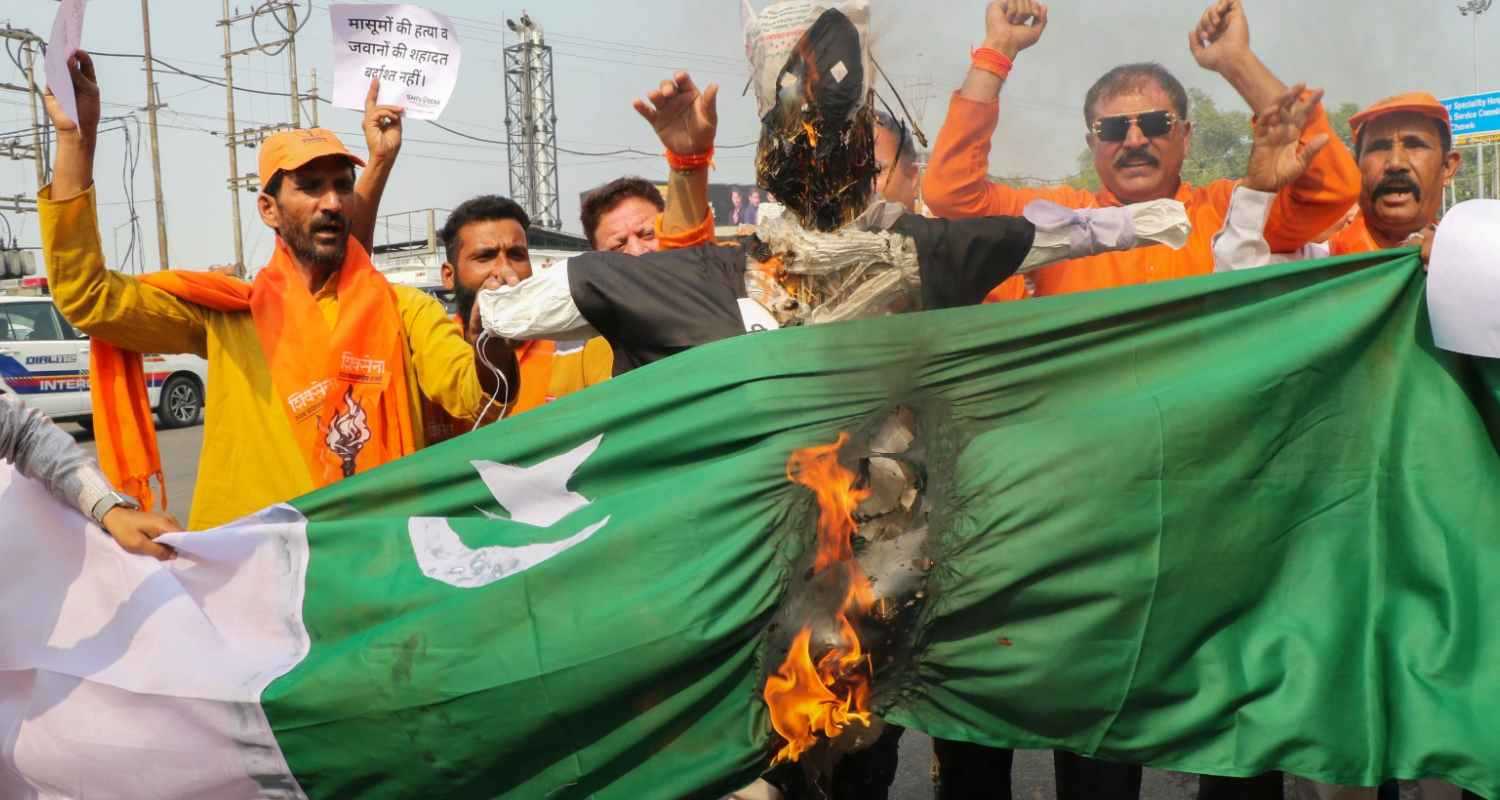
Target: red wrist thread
[{"x": 688, "y": 163}]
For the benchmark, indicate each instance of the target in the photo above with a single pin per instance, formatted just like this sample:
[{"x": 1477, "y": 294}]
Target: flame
[
  {"x": 809, "y": 699},
  {"x": 818, "y": 469}
]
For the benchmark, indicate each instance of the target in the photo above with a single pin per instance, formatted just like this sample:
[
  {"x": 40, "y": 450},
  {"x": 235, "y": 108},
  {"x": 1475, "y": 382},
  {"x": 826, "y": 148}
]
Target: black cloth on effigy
[{"x": 651, "y": 306}]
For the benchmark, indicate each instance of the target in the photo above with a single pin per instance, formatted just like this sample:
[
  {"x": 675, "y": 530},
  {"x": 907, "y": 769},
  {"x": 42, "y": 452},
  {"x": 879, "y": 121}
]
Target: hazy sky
[{"x": 607, "y": 53}]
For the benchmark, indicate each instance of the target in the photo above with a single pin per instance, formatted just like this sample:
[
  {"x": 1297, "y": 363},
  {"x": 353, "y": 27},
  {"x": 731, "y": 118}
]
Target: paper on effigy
[
  {"x": 1156, "y": 221},
  {"x": 1463, "y": 280},
  {"x": 772, "y": 34},
  {"x": 67, "y": 36},
  {"x": 415, "y": 53}
]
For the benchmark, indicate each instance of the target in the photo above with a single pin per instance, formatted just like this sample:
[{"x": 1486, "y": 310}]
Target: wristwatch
[{"x": 109, "y": 503}]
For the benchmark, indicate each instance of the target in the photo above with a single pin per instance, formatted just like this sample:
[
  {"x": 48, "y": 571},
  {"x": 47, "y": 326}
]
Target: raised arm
[
  {"x": 114, "y": 307},
  {"x": 686, "y": 120},
  {"x": 1330, "y": 183},
  {"x": 382, "y": 127},
  {"x": 1278, "y": 159},
  {"x": 957, "y": 183}
]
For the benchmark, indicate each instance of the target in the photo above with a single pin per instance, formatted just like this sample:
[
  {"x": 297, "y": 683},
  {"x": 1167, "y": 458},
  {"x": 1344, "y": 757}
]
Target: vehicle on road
[{"x": 45, "y": 361}]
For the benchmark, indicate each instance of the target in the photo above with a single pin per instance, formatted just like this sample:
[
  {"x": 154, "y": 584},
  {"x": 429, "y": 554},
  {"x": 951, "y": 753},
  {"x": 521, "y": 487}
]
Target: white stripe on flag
[{"x": 121, "y": 677}]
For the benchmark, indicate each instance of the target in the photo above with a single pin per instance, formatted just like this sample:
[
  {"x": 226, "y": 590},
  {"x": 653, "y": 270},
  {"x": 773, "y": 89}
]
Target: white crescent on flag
[{"x": 537, "y": 496}]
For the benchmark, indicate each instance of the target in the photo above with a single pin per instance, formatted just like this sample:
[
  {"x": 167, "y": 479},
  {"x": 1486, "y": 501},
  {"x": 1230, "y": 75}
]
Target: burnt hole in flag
[{"x": 852, "y": 607}]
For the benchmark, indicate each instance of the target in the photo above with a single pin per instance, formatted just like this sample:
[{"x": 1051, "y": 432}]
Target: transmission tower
[
  {"x": 271, "y": 15},
  {"x": 531, "y": 124}
]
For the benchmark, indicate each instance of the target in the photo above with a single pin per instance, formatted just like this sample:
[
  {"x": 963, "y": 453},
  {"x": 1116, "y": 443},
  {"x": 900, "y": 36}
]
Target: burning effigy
[
  {"x": 838, "y": 252},
  {"x": 811, "y": 70}
]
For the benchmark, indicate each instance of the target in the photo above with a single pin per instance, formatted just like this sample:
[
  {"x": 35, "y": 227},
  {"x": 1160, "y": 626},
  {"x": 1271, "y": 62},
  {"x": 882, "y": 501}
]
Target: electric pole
[
  {"x": 151, "y": 106},
  {"x": 229, "y": 139},
  {"x": 291, "y": 57},
  {"x": 14, "y": 149},
  {"x": 531, "y": 125},
  {"x": 235, "y": 138},
  {"x": 37, "y": 118},
  {"x": 312, "y": 97}
]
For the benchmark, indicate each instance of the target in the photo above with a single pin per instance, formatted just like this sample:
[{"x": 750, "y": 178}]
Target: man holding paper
[{"x": 319, "y": 366}]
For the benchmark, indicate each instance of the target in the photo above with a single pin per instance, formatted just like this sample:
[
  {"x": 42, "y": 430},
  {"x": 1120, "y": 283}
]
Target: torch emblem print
[{"x": 348, "y": 432}]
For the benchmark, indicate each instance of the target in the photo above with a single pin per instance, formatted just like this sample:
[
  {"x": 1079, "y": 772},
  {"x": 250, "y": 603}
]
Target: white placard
[
  {"x": 414, "y": 52},
  {"x": 1463, "y": 280},
  {"x": 67, "y": 36}
]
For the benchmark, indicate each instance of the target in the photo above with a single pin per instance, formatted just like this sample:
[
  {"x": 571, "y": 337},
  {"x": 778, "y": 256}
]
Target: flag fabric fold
[{"x": 1224, "y": 525}]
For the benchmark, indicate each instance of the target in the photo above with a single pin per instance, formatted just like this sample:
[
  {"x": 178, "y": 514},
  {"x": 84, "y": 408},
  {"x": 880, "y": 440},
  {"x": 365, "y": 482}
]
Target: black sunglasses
[{"x": 1151, "y": 123}]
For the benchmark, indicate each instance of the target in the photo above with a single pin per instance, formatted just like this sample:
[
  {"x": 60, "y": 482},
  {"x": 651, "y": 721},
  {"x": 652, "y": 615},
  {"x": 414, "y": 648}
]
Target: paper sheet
[
  {"x": 414, "y": 52},
  {"x": 67, "y": 35},
  {"x": 1463, "y": 281}
]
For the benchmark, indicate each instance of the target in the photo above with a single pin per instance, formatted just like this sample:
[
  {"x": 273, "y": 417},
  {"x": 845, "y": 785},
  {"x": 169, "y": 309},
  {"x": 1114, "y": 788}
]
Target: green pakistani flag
[{"x": 1224, "y": 525}]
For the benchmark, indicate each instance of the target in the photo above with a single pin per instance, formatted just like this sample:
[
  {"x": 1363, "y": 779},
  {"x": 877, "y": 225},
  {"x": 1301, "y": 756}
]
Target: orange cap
[
  {"x": 1411, "y": 102},
  {"x": 288, "y": 150}
]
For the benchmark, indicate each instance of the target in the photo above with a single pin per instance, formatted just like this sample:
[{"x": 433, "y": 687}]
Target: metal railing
[{"x": 409, "y": 231}]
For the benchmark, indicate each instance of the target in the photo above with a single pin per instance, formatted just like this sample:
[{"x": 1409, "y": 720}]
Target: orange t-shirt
[
  {"x": 957, "y": 186},
  {"x": 1355, "y": 238}
]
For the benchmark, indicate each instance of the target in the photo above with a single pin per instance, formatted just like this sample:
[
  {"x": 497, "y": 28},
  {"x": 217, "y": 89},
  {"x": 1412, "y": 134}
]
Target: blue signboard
[{"x": 1476, "y": 117}]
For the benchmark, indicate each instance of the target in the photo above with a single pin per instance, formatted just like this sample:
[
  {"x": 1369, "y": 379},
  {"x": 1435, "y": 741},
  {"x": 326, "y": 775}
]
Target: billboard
[
  {"x": 736, "y": 203},
  {"x": 732, "y": 203},
  {"x": 1475, "y": 117}
]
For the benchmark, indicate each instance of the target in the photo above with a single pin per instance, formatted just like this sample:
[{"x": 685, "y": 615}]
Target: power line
[{"x": 434, "y": 123}]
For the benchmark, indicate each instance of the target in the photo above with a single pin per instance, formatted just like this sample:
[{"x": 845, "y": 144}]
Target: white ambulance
[{"x": 45, "y": 361}]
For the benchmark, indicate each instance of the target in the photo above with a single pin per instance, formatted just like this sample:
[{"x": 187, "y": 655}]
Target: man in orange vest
[
  {"x": 1406, "y": 159},
  {"x": 1138, "y": 131}
]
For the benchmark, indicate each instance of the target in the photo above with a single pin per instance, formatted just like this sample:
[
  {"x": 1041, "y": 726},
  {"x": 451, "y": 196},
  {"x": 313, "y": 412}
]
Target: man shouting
[{"x": 318, "y": 367}]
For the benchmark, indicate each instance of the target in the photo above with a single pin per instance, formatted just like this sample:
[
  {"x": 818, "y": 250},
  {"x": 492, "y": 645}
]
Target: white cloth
[
  {"x": 540, "y": 307},
  {"x": 1463, "y": 282},
  {"x": 1156, "y": 222},
  {"x": 1241, "y": 243},
  {"x": 125, "y": 677}
]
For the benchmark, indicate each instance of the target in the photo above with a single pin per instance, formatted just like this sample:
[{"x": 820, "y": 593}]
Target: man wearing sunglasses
[{"x": 1137, "y": 127}]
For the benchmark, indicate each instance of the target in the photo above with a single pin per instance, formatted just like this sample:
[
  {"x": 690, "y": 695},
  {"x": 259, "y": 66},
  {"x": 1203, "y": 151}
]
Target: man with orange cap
[
  {"x": 1404, "y": 147},
  {"x": 1405, "y": 153},
  {"x": 319, "y": 366}
]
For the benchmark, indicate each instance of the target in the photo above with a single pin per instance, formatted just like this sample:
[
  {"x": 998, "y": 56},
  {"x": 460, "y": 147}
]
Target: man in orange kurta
[{"x": 1139, "y": 133}]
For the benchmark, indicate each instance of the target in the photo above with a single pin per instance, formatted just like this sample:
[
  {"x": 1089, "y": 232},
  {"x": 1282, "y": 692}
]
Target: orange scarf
[{"x": 344, "y": 390}]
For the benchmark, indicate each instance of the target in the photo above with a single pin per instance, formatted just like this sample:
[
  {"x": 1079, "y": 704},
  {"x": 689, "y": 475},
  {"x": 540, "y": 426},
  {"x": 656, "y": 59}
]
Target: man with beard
[
  {"x": 319, "y": 367},
  {"x": 1139, "y": 134},
  {"x": 1406, "y": 158},
  {"x": 485, "y": 247}
]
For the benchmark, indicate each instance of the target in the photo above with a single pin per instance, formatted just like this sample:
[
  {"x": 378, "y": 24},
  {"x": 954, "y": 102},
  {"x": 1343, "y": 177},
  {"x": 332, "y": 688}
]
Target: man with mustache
[
  {"x": 318, "y": 367},
  {"x": 1405, "y": 149},
  {"x": 1139, "y": 134},
  {"x": 1404, "y": 145}
]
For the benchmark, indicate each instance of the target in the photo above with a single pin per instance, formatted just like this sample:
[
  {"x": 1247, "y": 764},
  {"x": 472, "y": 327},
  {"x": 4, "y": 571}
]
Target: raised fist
[
  {"x": 1011, "y": 26},
  {"x": 1222, "y": 36}
]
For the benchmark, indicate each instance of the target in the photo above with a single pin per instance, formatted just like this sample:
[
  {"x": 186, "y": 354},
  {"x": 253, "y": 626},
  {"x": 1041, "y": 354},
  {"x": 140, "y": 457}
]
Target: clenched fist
[{"x": 1011, "y": 26}]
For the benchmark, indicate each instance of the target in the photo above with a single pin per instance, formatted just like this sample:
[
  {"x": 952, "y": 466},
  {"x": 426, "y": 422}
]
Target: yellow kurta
[{"x": 250, "y": 459}]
